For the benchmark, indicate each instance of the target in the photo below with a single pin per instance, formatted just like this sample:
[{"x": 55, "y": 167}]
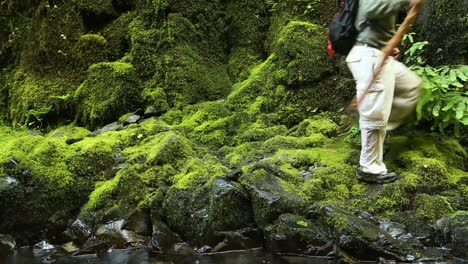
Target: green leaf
[
  {"x": 449, "y": 106},
  {"x": 436, "y": 109},
  {"x": 461, "y": 107},
  {"x": 302, "y": 223}
]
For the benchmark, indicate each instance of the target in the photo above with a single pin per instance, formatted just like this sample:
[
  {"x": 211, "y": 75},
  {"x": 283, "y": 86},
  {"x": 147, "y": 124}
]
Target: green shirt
[{"x": 376, "y": 20}]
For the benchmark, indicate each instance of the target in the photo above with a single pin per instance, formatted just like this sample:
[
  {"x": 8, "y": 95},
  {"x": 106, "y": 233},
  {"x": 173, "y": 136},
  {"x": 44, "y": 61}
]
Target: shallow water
[{"x": 145, "y": 256}]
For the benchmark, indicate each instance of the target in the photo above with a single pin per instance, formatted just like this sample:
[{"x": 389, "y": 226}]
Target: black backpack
[{"x": 342, "y": 33}]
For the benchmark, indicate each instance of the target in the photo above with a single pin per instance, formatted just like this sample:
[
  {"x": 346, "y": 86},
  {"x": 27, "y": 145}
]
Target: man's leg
[
  {"x": 407, "y": 94},
  {"x": 374, "y": 111}
]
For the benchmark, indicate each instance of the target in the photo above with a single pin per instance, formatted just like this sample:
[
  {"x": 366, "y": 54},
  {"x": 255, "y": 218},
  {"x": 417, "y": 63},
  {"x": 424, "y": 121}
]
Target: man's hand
[{"x": 396, "y": 53}]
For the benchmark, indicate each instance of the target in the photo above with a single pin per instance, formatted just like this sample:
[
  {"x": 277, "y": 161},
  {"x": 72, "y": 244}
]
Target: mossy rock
[
  {"x": 198, "y": 213},
  {"x": 91, "y": 49},
  {"x": 163, "y": 148},
  {"x": 432, "y": 207},
  {"x": 298, "y": 49},
  {"x": 271, "y": 196},
  {"x": 43, "y": 193},
  {"x": 36, "y": 100},
  {"x": 110, "y": 90}
]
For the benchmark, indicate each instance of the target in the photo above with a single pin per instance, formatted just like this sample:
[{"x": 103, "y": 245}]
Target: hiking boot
[{"x": 376, "y": 178}]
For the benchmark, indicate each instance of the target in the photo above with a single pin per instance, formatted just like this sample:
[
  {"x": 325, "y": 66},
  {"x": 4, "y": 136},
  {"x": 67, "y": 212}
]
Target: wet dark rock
[
  {"x": 7, "y": 183},
  {"x": 362, "y": 238},
  {"x": 93, "y": 246},
  {"x": 296, "y": 235},
  {"x": 196, "y": 214},
  {"x": 150, "y": 112},
  {"x": 204, "y": 250},
  {"x": 139, "y": 222},
  {"x": 243, "y": 239},
  {"x": 396, "y": 230},
  {"x": 69, "y": 248},
  {"x": 184, "y": 249},
  {"x": 453, "y": 233},
  {"x": 119, "y": 238},
  {"x": 132, "y": 119},
  {"x": 7, "y": 245},
  {"x": 269, "y": 197},
  {"x": 234, "y": 174},
  {"x": 107, "y": 128},
  {"x": 163, "y": 239},
  {"x": 78, "y": 232},
  {"x": 71, "y": 141}
]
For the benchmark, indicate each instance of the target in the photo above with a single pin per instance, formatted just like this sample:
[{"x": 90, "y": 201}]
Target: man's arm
[{"x": 375, "y": 9}]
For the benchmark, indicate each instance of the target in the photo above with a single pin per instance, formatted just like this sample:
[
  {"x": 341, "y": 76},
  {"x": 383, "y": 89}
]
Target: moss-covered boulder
[
  {"x": 294, "y": 82},
  {"x": 199, "y": 213},
  {"x": 271, "y": 195},
  {"x": 110, "y": 90}
]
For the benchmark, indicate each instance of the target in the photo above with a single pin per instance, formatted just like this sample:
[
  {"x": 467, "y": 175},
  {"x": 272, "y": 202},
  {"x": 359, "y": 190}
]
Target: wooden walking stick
[{"x": 388, "y": 50}]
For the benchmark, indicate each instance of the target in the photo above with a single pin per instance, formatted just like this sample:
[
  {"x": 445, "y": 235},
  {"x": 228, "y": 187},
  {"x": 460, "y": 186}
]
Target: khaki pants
[{"x": 391, "y": 98}]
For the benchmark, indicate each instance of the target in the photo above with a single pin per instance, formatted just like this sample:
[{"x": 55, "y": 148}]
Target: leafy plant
[
  {"x": 445, "y": 101},
  {"x": 446, "y": 96}
]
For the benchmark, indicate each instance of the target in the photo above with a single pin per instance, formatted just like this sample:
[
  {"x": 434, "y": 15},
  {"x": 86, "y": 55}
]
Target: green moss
[
  {"x": 166, "y": 147},
  {"x": 197, "y": 172},
  {"x": 126, "y": 191},
  {"x": 91, "y": 49},
  {"x": 432, "y": 206},
  {"x": 259, "y": 131},
  {"x": 156, "y": 97},
  {"x": 293, "y": 83},
  {"x": 288, "y": 142},
  {"x": 296, "y": 48},
  {"x": 70, "y": 131},
  {"x": 432, "y": 171},
  {"x": 36, "y": 100},
  {"x": 97, "y": 103}
]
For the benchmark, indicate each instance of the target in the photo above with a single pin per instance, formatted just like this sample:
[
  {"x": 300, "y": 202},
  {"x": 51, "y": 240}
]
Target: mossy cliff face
[{"x": 182, "y": 52}]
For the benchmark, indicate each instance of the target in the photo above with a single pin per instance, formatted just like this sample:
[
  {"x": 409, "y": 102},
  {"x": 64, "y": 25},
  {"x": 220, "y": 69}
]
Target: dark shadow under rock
[{"x": 295, "y": 234}]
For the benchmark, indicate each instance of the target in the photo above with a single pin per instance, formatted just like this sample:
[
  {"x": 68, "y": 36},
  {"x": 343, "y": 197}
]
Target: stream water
[{"x": 145, "y": 256}]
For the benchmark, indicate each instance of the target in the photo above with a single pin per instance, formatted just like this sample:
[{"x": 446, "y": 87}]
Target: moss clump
[
  {"x": 91, "y": 49},
  {"x": 259, "y": 131},
  {"x": 37, "y": 100},
  {"x": 46, "y": 191},
  {"x": 110, "y": 90},
  {"x": 296, "y": 48},
  {"x": 290, "y": 85},
  {"x": 69, "y": 132},
  {"x": 166, "y": 147},
  {"x": 197, "y": 172},
  {"x": 157, "y": 98},
  {"x": 432, "y": 207}
]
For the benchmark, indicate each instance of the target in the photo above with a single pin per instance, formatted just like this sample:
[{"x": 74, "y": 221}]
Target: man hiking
[{"x": 385, "y": 103}]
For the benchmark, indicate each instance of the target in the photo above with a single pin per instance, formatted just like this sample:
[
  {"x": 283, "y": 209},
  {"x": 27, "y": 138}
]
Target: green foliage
[{"x": 445, "y": 101}]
